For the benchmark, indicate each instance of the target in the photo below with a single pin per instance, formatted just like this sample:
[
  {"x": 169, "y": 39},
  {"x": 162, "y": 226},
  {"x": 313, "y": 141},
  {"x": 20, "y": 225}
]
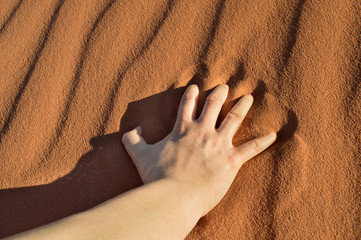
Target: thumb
[
  {"x": 256, "y": 146},
  {"x": 133, "y": 142}
]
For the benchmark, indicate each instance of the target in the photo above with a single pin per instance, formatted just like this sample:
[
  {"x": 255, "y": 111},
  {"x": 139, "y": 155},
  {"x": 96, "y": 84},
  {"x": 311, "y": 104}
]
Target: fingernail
[{"x": 192, "y": 87}]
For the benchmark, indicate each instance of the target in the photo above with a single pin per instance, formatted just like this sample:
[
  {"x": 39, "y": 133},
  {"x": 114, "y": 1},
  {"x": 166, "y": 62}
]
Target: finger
[
  {"x": 133, "y": 142},
  {"x": 187, "y": 107},
  {"x": 236, "y": 116},
  {"x": 194, "y": 112},
  {"x": 213, "y": 105},
  {"x": 255, "y": 146}
]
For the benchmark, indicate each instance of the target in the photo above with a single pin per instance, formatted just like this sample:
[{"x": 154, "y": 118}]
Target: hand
[{"x": 195, "y": 153}]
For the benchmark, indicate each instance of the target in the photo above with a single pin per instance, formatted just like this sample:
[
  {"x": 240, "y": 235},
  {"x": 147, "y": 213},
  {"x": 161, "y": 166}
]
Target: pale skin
[{"x": 186, "y": 175}]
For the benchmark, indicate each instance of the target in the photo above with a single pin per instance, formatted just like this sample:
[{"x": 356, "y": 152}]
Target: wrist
[{"x": 192, "y": 195}]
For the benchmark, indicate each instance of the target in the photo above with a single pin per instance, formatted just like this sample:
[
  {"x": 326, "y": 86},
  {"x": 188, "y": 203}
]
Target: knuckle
[
  {"x": 201, "y": 134},
  {"x": 183, "y": 127},
  {"x": 233, "y": 159},
  {"x": 257, "y": 146},
  {"x": 235, "y": 115},
  {"x": 200, "y": 131},
  {"x": 205, "y": 124},
  {"x": 187, "y": 97},
  {"x": 214, "y": 99},
  {"x": 183, "y": 119}
]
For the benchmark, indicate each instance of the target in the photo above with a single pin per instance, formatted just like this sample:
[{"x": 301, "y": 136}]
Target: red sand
[{"x": 75, "y": 75}]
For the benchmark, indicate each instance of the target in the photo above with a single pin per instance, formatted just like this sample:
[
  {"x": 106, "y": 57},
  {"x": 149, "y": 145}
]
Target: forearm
[{"x": 160, "y": 210}]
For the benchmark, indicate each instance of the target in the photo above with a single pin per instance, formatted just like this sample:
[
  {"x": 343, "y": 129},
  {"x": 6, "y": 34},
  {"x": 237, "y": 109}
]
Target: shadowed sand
[{"x": 76, "y": 75}]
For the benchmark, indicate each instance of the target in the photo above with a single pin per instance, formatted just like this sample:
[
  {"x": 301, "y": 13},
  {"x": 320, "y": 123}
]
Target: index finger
[{"x": 188, "y": 105}]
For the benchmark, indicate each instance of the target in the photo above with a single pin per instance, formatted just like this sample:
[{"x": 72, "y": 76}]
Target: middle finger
[
  {"x": 213, "y": 105},
  {"x": 235, "y": 117}
]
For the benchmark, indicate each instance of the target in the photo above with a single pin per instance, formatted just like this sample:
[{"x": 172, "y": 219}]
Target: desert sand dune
[{"x": 75, "y": 75}]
